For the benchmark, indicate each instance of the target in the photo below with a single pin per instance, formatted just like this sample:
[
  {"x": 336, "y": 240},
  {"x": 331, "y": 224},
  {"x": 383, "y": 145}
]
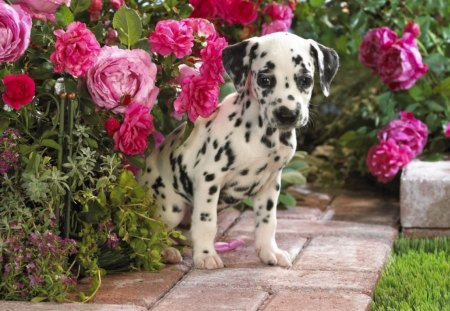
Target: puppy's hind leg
[{"x": 171, "y": 213}]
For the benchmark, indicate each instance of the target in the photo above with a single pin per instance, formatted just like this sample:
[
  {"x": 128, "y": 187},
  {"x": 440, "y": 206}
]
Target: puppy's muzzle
[{"x": 287, "y": 117}]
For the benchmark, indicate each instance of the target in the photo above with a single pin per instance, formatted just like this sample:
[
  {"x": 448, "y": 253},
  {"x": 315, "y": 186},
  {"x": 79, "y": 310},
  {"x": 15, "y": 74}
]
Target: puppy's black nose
[{"x": 287, "y": 116}]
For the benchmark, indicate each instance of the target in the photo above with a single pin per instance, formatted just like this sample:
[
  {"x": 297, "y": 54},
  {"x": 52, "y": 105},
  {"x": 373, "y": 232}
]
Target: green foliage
[
  {"x": 293, "y": 174},
  {"x": 346, "y": 123},
  {"x": 416, "y": 277},
  {"x": 128, "y": 24}
]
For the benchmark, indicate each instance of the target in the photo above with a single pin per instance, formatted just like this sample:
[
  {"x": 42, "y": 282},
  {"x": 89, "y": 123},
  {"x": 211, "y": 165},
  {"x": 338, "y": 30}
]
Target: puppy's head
[{"x": 278, "y": 69}]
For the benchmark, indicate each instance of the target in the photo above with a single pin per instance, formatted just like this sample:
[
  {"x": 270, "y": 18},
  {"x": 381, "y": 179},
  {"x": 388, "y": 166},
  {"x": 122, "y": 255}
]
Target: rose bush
[{"x": 42, "y": 10}]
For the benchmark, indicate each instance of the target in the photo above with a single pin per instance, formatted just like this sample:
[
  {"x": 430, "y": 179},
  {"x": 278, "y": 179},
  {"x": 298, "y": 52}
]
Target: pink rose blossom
[
  {"x": 186, "y": 72},
  {"x": 241, "y": 12},
  {"x": 171, "y": 36},
  {"x": 279, "y": 12},
  {"x": 198, "y": 97},
  {"x": 117, "y": 4},
  {"x": 400, "y": 66},
  {"x": 204, "y": 8},
  {"x": 275, "y": 26},
  {"x": 413, "y": 29},
  {"x": 132, "y": 137},
  {"x": 200, "y": 27},
  {"x": 15, "y": 30},
  {"x": 373, "y": 44},
  {"x": 118, "y": 74},
  {"x": 407, "y": 131},
  {"x": 111, "y": 125},
  {"x": 292, "y": 4},
  {"x": 386, "y": 159},
  {"x": 95, "y": 9},
  {"x": 39, "y": 9},
  {"x": 75, "y": 50},
  {"x": 211, "y": 55},
  {"x": 447, "y": 130}
]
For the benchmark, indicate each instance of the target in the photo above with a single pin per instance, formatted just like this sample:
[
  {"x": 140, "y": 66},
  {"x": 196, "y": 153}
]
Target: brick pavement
[{"x": 340, "y": 242}]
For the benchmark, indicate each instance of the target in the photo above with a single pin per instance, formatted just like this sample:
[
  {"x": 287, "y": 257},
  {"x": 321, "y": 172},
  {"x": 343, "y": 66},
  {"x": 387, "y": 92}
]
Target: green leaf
[
  {"x": 316, "y": 3},
  {"x": 78, "y": 6},
  {"x": 293, "y": 177},
  {"x": 64, "y": 16},
  {"x": 50, "y": 143},
  {"x": 443, "y": 87},
  {"x": 128, "y": 24},
  {"x": 287, "y": 199},
  {"x": 38, "y": 299}
]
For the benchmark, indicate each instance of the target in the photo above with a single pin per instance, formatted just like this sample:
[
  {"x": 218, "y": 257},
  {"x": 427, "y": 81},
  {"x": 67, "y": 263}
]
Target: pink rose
[
  {"x": 400, "y": 66},
  {"x": 43, "y": 10},
  {"x": 95, "y": 9},
  {"x": 111, "y": 125},
  {"x": 186, "y": 72},
  {"x": 75, "y": 50},
  {"x": 171, "y": 36},
  {"x": 241, "y": 12},
  {"x": 386, "y": 159},
  {"x": 279, "y": 12},
  {"x": 292, "y": 4},
  {"x": 200, "y": 27},
  {"x": 204, "y": 8},
  {"x": 447, "y": 130},
  {"x": 15, "y": 30},
  {"x": 132, "y": 137},
  {"x": 407, "y": 131},
  {"x": 373, "y": 44},
  {"x": 118, "y": 73},
  {"x": 413, "y": 29},
  {"x": 19, "y": 90},
  {"x": 275, "y": 26},
  {"x": 198, "y": 97},
  {"x": 211, "y": 55},
  {"x": 117, "y": 4}
]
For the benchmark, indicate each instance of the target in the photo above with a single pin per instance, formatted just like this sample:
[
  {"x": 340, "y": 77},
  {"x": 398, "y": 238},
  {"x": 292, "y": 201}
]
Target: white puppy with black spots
[{"x": 240, "y": 150}]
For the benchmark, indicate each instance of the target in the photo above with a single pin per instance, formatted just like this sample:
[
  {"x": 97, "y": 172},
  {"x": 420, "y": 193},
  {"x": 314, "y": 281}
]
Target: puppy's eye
[
  {"x": 304, "y": 82},
  {"x": 265, "y": 81}
]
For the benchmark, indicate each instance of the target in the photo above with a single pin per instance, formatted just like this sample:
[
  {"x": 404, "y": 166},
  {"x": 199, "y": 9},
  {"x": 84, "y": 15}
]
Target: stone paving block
[
  {"x": 276, "y": 279},
  {"x": 202, "y": 298},
  {"x": 314, "y": 228},
  {"x": 246, "y": 256},
  {"x": 318, "y": 301},
  {"x": 300, "y": 212},
  {"x": 310, "y": 198},
  {"x": 344, "y": 254},
  {"x": 365, "y": 208},
  {"x": 225, "y": 219},
  {"x": 138, "y": 288},
  {"x": 426, "y": 233},
  {"x": 27, "y": 306},
  {"x": 425, "y": 195}
]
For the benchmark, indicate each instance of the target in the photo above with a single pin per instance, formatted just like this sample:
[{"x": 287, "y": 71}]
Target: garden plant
[{"x": 89, "y": 88}]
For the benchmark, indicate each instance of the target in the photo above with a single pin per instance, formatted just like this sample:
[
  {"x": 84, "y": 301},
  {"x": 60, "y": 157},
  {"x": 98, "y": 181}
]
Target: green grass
[{"x": 417, "y": 277}]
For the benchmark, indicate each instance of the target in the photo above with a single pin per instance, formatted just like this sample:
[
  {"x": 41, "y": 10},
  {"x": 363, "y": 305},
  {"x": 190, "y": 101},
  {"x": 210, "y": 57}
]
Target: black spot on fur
[
  {"x": 231, "y": 116},
  {"x": 276, "y": 159},
  {"x": 205, "y": 252},
  {"x": 230, "y": 156},
  {"x": 253, "y": 51},
  {"x": 267, "y": 142},
  {"x": 261, "y": 169},
  {"x": 277, "y": 187},
  {"x": 263, "y": 54},
  {"x": 241, "y": 189},
  {"x": 270, "y": 131},
  {"x": 248, "y": 124},
  {"x": 212, "y": 190},
  {"x": 284, "y": 138},
  {"x": 270, "y": 65},
  {"x": 260, "y": 121},
  {"x": 247, "y": 136},
  {"x": 205, "y": 217},
  {"x": 247, "y": 104},
  {"x": 269, "y": 205},
  {"x": 176, "y": 209},
  {"x": 210, "y": 177},
  {"x": 202, "y": 150},
  {"x": 297, "y": 59},
  {"x": 287, "y": 85},
  {"x": 233, "y": 61},
  {"x": 215, "y": 144},
  {"x": 290, "y": 97},
  {"x": 238, "y": 122},
  {"x": 149, "y": 170},
  {"x": 244, "y": 172},
  {"x": 158, "y": 184},
  {"x": 218, "y": 154},
  {"x": 208, "y": 124}
]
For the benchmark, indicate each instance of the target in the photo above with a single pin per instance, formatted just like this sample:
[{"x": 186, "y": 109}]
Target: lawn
[{"x": 417, "y": 277}]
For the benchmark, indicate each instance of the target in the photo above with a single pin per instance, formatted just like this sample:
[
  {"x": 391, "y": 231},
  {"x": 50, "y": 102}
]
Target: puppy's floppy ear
[
  {"x": 237, "y": 60},
  {"x": 327, "y": 61}
]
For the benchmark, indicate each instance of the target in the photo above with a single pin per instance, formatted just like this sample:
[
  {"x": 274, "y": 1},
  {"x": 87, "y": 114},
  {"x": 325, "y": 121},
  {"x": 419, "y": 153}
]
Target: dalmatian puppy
[{"x": 240, "y": 151}]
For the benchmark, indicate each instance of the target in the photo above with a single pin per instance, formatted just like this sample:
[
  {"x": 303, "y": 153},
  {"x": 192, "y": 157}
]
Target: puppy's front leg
[
  {"x": 204, "y": 227},
  {"x": 265, "y": 208}
]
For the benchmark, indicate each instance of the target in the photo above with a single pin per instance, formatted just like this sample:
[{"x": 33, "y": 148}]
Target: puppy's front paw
[
  {"x": 275, "y": 257},
  {"x": 171, "y": 255},
  {"x": 208, "y": 261}
]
